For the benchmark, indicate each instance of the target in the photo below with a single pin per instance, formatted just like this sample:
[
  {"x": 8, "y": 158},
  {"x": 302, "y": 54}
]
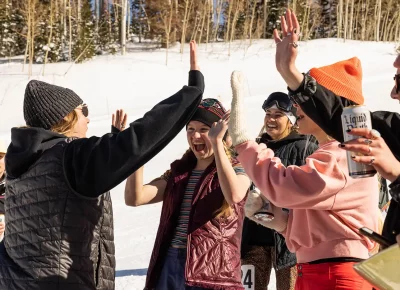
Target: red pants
[{"x": 329, "y": 276}]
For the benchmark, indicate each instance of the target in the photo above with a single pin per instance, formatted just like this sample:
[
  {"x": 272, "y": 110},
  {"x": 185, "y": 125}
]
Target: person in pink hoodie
[{"x": 327, "y": 206}]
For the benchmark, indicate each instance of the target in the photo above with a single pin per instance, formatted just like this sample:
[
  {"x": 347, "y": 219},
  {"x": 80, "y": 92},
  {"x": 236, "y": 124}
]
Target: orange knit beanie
[{"x": 343, "y": 78}]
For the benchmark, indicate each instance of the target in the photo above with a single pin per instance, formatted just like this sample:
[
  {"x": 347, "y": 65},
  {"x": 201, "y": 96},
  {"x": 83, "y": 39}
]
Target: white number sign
[{"x": 248, "y": 279}]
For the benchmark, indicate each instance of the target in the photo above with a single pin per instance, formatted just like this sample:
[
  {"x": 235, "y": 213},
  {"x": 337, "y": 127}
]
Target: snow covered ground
[{"x": 140, "y": 79}]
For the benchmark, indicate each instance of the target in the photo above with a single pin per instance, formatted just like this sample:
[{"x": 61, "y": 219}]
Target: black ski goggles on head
[
  {"x": 281, "y": 104},
  {"x": 397, "y": 82},
  {"x": 85, "y": 110}
]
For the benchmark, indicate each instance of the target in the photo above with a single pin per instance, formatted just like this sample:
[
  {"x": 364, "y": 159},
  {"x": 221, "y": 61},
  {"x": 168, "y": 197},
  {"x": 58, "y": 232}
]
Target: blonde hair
[
  {"x": 66, "y": 125},
  {"x": 225, "y": 210}
]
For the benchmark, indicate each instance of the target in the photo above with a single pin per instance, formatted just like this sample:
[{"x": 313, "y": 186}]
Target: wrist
[
  {"x": 293, "y": 78},
  {"x": 217, "y": 144},
  {"x": 395, "y": 174}
]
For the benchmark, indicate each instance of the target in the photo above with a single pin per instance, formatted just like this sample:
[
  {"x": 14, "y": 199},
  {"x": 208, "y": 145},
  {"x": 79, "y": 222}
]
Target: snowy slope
[{"x": 140, "y": 79}]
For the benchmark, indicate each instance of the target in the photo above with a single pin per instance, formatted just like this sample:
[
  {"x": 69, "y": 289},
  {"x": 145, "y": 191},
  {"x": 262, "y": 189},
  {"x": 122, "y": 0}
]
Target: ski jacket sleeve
[
  {"x": 95, "y": 165},
  {"x": 325, "y": 108},
  {"x": 313, "y": 185}
]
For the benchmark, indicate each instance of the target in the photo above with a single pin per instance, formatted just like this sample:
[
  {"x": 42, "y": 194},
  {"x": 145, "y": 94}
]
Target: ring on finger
[
  {"x": 371, "y": 161},
  {"x": 369, "y": 150},
  {"x": 294, "y": 44},
  {"x": 367, "y": 141},
  {"x": 288, "y": 34}
]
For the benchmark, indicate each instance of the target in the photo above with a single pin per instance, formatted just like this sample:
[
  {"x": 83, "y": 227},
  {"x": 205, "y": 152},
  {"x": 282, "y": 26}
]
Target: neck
[{"x": 202, "y": 164}]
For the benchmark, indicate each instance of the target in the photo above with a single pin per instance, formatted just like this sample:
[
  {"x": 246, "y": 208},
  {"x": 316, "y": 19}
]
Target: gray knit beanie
[{"x": 45, "y": 105}]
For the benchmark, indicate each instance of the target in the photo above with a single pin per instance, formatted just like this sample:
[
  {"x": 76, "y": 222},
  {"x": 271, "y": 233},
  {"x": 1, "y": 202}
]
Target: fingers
[
  {"x": 370, "y": 160},
  {"x": 125, "y": 120},
  {"x": 357, "y": 148},
  {"x": 276, "y": 36},
  {"x": 363, "y": 132},
  {"x": 113, "y": 120},
  {"x": 193, "y": 56},
  {"x": 284, "y": 26},
  {"x": 289, "y": 20},
  {"x": 296, "y": 24}
]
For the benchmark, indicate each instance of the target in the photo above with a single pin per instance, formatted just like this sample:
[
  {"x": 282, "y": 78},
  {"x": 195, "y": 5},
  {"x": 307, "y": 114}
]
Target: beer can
[{"x": 356, "y": 117}]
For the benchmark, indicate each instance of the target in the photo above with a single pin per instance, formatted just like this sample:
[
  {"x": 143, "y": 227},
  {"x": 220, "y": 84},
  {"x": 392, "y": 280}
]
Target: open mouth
[
  {"x": 199, "y": 147},
  {"x": 269, "y": 126}
]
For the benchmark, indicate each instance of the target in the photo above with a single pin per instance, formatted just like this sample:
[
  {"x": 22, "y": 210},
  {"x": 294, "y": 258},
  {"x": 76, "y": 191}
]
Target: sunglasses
[
  {"x": 397, "y": 82},
  {"x": 85, "y": 110}
]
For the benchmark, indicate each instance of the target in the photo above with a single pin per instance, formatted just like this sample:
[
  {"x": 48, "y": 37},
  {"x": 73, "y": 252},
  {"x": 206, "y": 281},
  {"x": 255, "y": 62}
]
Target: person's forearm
[
  {"x": 133, "y": 187},
  {"x": 230, "y": 185},
  {"x": 293, "y": 79}
]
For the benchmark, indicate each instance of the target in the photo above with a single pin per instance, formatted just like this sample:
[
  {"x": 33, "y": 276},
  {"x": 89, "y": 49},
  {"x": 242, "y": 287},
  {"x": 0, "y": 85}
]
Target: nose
[
  {"x": 196, "y": 134},
  {"x": 87, "y": 120}
]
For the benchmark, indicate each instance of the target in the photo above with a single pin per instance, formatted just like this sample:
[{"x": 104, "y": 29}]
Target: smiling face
[
  {"x": 277, "y": 124},
  {"x": 199, "y": 142},
  {"x": 394, "y": 94}
]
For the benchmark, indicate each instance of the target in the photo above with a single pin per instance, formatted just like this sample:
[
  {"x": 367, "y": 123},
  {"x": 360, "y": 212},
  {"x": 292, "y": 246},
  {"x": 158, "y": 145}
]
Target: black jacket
[
  {"x": 2, "y": 192},
  {"x": 292, "y": 150},
  {"x": 325, "y": 108},
  {"x": 59, "y": 231}
]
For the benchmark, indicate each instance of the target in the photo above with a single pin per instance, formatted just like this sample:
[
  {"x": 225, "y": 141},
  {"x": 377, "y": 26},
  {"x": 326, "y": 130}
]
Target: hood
[
  {"x": 27, "y": 145},
  {"x": 292, "y": 137}
]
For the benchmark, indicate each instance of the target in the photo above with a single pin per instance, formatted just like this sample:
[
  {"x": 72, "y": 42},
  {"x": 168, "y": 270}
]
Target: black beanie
[{"x": 45, "y": 105}]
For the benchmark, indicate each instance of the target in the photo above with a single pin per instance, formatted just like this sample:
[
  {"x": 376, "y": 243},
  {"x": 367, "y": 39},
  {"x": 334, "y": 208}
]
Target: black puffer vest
[{"x": 71, "y": 236}]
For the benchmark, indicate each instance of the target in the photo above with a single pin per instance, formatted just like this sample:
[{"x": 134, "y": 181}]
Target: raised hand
[
  {"x": 286, "y": 50},
  {"x": 218, "y": 129},
  {"x": 119, "y": 119},
  {"x": 374, "y": 152},
  {"x": 193, "y": 56}
]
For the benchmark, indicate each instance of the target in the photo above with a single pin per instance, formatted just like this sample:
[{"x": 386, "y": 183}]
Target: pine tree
[
  {"x": 8, "y": 37},
  {"x": 139, "y": 19},
  {"x": 84, "y": 47}
]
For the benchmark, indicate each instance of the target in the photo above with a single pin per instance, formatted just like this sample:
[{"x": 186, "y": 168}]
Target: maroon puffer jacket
[{"x": 213, "y": 251}]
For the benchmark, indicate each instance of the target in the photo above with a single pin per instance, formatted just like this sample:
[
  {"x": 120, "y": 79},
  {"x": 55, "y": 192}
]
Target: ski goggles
[
  {"x": 281, "y": 104},
  {"x": 397, "y": 82}
]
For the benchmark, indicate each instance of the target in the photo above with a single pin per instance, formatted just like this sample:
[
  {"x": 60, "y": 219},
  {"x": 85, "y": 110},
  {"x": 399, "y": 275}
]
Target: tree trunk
[
  {"x": 70, "y": 31},
  {"x": 78, "y": 16},
  {"x": 346, "y": 19},
  {"x": 123, "y": 26},
  {"x": 209, "y": 13},
  {"x": 183, "y": 36},
  {"x": 351, "y": 28},
  {"x": 265, "y": 18},
  {"x": 378, "y": 12},
  {"x": 50, "y": 36},
  {"x": 251, "y": 21},
  {"x": 235, "y": 17},
  {"x": 231, "y": 3},
  {"x": 205, "y": 6},
  {"x": 219, "y": 9}
]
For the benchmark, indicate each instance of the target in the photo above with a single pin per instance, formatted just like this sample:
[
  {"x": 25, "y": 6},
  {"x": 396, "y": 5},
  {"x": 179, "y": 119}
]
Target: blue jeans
[{"x": 173, "y": 272}]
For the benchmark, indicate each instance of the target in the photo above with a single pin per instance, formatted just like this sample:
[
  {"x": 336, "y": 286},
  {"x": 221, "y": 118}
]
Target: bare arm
[
  {"x": 234, "y": 187},
  {"x": 137, "y": 194}
]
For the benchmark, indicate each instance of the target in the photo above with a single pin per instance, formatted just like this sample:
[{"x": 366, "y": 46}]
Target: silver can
[{"x": 356, "y": 117}]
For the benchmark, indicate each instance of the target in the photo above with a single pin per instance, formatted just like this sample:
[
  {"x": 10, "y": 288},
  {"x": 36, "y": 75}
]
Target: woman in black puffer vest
[{"x": 262, "y": 247}]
